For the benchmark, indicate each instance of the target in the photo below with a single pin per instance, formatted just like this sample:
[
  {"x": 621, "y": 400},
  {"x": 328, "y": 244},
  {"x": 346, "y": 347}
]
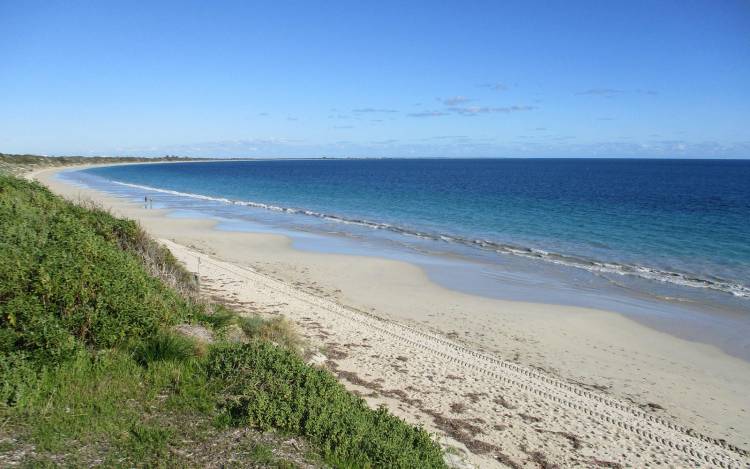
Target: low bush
[
  {"x": 276, "y": 330},
  {"x": 269, "y": 387},
  {"x": 219, "y": 318},
  {"x": 66, "y": 284}
]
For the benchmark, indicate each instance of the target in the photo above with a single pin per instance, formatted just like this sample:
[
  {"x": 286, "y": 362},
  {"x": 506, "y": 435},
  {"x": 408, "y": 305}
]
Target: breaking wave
[{"x": 645, "y": 272}]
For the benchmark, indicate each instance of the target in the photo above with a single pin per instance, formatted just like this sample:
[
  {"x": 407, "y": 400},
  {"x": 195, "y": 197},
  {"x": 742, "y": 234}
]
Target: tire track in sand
[{"x": 612, "y": 418}]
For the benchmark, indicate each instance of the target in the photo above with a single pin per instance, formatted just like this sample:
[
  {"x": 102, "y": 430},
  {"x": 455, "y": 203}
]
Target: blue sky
[{"x": 400, "y": 79}]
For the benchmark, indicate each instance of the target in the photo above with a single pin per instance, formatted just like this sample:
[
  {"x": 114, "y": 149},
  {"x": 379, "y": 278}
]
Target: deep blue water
[{"x": 676, "y": 222}]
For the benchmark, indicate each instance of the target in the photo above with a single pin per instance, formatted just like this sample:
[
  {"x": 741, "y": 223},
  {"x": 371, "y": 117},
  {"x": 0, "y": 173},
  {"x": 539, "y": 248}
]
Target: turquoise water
[
  {"x": 667, "y": 241},
  {"x": 685, "y": 222}
]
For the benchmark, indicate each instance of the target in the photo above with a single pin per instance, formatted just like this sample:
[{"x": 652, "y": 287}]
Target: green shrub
[
  {"x": 67, "y": 282},
  {"x": 18, "y": 379},
  {"x": 148, "y": 441},
  {"x": 277, "y": 330},
  {"x": 219, "y": 318},
  {"x": 270, "y": 387},
  {"x": 252, "y": 326}
]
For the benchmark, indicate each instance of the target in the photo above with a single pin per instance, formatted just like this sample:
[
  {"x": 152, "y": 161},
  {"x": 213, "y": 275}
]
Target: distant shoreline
[{"x": 191, "y": 159}]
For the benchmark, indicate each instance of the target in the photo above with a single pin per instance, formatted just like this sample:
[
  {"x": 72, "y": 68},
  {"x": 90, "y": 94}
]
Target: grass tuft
[
  {"x": 148, "y": 440},
  {"x": 277, "y": 330},
  {"x": 164, "y": 346},
  {"x": 219, "y": 319}
]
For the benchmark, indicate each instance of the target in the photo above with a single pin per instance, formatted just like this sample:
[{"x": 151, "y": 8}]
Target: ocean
[{"x": 667, "y": 241}]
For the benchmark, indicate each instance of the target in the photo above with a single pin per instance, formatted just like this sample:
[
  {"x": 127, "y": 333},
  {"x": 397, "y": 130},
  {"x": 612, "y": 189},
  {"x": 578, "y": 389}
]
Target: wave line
[{"x": 645, "y": 272}]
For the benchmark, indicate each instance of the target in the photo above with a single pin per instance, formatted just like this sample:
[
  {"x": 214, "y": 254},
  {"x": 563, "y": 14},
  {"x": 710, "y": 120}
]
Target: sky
[{"x": 384, "y": 78}]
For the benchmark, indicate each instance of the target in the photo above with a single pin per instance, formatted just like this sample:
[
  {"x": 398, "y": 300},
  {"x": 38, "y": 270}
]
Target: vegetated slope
[
  {"x": 18, "y": 164},
  {"x": 92, "y": 372}
]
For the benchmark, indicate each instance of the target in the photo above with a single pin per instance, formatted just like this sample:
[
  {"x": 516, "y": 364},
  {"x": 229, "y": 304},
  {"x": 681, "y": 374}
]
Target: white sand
[{"x": 503, "y": 382}]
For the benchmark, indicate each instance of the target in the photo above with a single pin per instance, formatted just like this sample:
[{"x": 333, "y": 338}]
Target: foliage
[
  {"x": 64, "y": 284},
  {"x": 164, "y": 346},
  {"x": 219, "y": 319},
  {"x": 276, "y": 330},
  {"x": 268, "y": 387}
]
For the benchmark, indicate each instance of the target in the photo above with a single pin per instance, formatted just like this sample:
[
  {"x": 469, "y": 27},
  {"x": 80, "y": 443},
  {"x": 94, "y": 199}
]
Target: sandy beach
[{"x": 503, "y": 383}]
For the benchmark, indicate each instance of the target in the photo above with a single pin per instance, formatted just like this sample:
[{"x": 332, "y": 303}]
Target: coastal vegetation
[
  {"x": 18, "y": 164},
  {"x": 95, "y": 367}
]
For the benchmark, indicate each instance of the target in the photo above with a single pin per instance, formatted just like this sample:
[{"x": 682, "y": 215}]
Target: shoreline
[
  {"x": 696, "y": 385},
  {"x": 673, "y": 277},
  {"x": 695, "y": 314}
]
